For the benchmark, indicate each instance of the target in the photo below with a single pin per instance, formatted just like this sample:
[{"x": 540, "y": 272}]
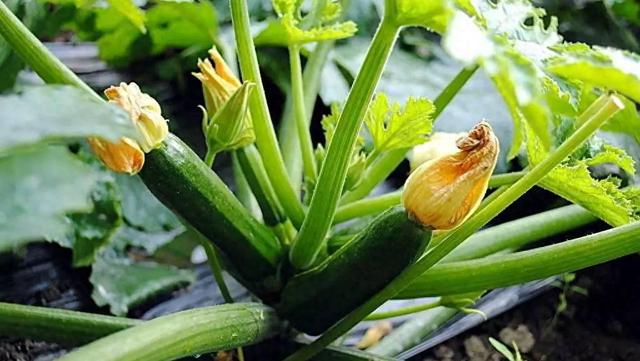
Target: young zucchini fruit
[
  {"x": 184, "y": 183},
  {"x": 316, "y": 299}
]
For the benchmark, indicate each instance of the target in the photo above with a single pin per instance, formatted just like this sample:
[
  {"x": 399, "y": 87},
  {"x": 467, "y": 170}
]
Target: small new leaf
[
  {"x": 289, "y": 29},
  {"x": 394, "y": 127}
]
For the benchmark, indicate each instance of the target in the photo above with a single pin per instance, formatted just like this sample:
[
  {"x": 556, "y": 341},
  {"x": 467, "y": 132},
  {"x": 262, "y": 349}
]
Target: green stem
[
  {"x": 302, "y": 122},
  {"x": 265, "y": 135},
  {"x": 333, "y": 173},
  {"x": 403, "y": 311},
  {"x": 193, "y": 332},
  {"x": 503, "y": 179},
  {"x": 525, "y": 266},
  {"x": 60, "y": 326},
  {"x": 256, "y": 175},
  {"x": 449, "y": 92},
  {"x": 216, "y": 268},
  {"x": 35, "y": 54},
  {"x": 457, "y": 236},
  {"x": 374, "y": 205},
  {"x": 289, "y": 143},
  {"x": 367, "y": 206},
  {"x": 376, "y": 173},
  {"x": 209, "y": 158},
  {"x": 520, "y": 232},
  {"x": 413, "y": 331},
  {"x": 73, "y": 328},
  {"x": 243, "y": 190}
]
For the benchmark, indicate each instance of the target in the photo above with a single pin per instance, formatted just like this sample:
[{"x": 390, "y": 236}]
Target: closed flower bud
[
  {"x": 230, "y": 127},
  {"x": 443, "y": 192},
  {"x": 439, "y": 144},
  {"x": 218, "y": 81},
  {"x": 125, "y": 156},
  {"x": 143, "y": 110}
]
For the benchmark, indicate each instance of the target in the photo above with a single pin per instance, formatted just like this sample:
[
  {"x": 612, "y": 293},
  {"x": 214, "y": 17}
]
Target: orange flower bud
[
  {"x": 125, "y": 156},
  {"x": 443, "y": 192}
]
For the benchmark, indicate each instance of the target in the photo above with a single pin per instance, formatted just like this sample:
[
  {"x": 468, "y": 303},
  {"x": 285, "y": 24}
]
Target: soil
[{"x": 603, "y": 325}]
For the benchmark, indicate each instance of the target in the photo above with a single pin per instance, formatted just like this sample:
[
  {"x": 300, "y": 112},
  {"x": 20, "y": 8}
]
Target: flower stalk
[
  {"x": 265, "y": 134},
  {"x": 300, "y": 114},
  {"x": 333, "y": 173}
]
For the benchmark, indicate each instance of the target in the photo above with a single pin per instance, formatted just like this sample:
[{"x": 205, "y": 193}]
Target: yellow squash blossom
[
  {"x": 439, "y": 144},
  {"x": 143, "y": 110},
  {"x": 443, "y": 192},
  {"x": 127, "y": 155},
  {"x": 226, "y": 122},
  {"x": 218, "y": 81}
]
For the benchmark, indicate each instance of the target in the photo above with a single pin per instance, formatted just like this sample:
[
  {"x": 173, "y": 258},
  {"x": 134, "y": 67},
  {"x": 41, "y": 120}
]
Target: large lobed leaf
[
  {"x": 39, "y": 187},
  {"x": 58, "y": 113},
  {"x": 122, "y": 284}
]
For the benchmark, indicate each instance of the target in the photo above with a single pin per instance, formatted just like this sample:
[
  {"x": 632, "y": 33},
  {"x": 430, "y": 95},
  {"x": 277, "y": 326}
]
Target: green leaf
[
  {"x": 122, "y": 284},
  {"x": 508, "y": 51},
  {"x": 130, "y": 11},
  {"x": 288, "y": 29},
  {"x": 504, "y": 350},
  {"x": 394, "y": 127},
  {"x": 141, "y": 209},
  {"x": 608, "y": 68},
  {"x": 573, "y": 182},
  {"x": 39, "y": 187},
  {"x": 93, "y": 230},
  {"x": 284, "y": 32},
  {"x": 58, "y": 113},
  {"x": 117, "y": 37},
  {"x": 149, "y": 241},
  {"x": 433, "y": 15},
  {"x": 613, "y": 155},
  {"x": 182, "y": 25}
]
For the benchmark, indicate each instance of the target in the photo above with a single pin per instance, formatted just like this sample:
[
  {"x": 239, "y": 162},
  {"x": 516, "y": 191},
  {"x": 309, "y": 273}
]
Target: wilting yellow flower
[
  {"x": 439, "y": 144},
  {"x": 125, "y": 156},
  {"x": 218, "y": 81},
  {"x": 143, "y": 110},
  {"x": 443, "y": 192}
]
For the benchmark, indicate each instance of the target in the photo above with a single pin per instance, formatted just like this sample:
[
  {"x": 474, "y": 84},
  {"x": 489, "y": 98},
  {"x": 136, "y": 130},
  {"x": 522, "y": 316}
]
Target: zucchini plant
[{"x": 310, "y": 273}]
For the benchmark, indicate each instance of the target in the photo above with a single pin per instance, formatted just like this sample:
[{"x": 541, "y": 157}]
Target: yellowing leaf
[
  {"x": 604, "y": 67},
  {"x": 394, "y": 127}
]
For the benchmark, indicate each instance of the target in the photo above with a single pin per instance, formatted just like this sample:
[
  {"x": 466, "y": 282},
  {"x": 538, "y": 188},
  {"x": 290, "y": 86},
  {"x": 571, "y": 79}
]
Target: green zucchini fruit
[
  {"x": 317, "y": 298},
  {"x": 177, "y": 176}
]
